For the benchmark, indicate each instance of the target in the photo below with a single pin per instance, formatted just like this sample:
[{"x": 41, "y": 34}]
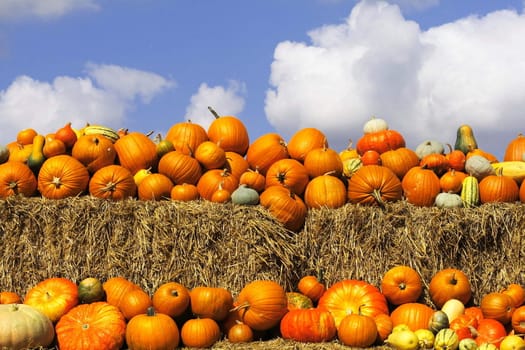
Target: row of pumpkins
[
  {"x": 92, "y": 315},
  {"x": 288, "y": 178}
]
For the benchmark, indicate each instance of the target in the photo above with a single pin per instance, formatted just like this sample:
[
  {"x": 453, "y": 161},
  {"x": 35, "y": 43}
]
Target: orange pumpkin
[
  {"x": 353, "y": 297},
  {"x": 289, "y": 173},
  {"x": 184, "y": 192},
  {"x": 325, "y": 191},
  {"x": 262, "y": 304},
  {"x": 230, "y": 132},
  {"x": 7, "y": 297},
  {"x": 211, "y": 302},
  {"x": 171, "y": 298},
  {"x": 452, "y": 180},
  {"x": 53, "y": 147},
  {"x": 152, "y": 330},
  {"x": 308, "y": 325},
  {"x": 210, "y": 181},
  {"x": 136, "y": 151},
  {"x": 311, "y": 287},
  {"x": 518, "y": 320},
  {"x": 287, "y": 207},
  {"x": 374, "y": 185},
  {"x": 305, "y": 140},
  {"x": 94, "y": 326},
  {"x": 94, "y": 151},
  {"x": 253, "y": 179},
  {"x": 384, "y": 327},
  {"x": 210, "y": 155},
  {"x": 180, "y": 168},
  {"x": 67, "y": 135},
  {"x": 129, "y": 297},
  {"x": 357, "y": 331},
  {"x": 400, "y": 160},
  {"x": 155, "y": 187},
  {"x": 19, "y": 152},
  {"x": 25, "y": 136},
  {"x": 200, "y": 332},
  {"x": 515, "y": 149},
  {"x": 240, "y": 333},
  {"x": 380, "y": 141},
  {"x": 54, "y": 297},
  {"x": 320, "y": 161},
  {"x": 112, "y": 182},
  {"x": 449, "y": 283},
  {"x": 414, "y": 315},
  {"x": 62, "y": 176},
  {"x": 265, "y": 151},
  {"x": 498, "y": 188},
  {"x": 498, "y": 306},
  {"x": 236, "y": 164},
  {"x": 401, "y": 284},
  {"x": 421, "y": 186},
  {"x": 186, "y": 136},
  {"x": 16, "y": 178},
  {"x": 517, "y": 292}
]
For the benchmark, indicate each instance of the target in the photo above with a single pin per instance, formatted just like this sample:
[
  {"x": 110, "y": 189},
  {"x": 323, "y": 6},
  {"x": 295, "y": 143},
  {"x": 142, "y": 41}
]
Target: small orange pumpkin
[
  {"x": 200, "y": 332},
  {"x": 171, "y": 298},
  {"x": 211, "y": 302},
  {"x": 155, "y": 186},
  {"x": 54, "y": 297},
  {"x": 162, "y": 331},
  {"x": 94, "y": 151},
  {"x": 401, "y": 284},
  {"x": 112, "y": 182},
  {"x": 16, "y": 178}
]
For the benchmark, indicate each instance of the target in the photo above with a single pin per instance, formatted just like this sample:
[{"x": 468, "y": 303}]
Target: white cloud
[
  {"x": 15, "y": 9},
  {"x": 128, "y": 82},
  {"x": 224, "y": 100},
  {"x": 45, "y": 106},
  {"x": 425, "y": 83},
  {"x": 418, "y": 5}
]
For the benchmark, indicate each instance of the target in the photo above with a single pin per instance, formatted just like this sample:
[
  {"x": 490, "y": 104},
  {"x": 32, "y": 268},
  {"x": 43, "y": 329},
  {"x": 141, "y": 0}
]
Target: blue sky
[{"x": 425, "y": 66}]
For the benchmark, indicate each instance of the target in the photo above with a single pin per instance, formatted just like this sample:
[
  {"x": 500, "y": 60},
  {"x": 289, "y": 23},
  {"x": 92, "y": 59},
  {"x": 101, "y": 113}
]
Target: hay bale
[
  {"x": 196, "y": 243},
  {"x": 361, "y": 242}
]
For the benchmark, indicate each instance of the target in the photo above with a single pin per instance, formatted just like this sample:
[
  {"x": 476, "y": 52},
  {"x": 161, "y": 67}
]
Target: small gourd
[
  {"x": 429, "y": 147},
  {"x": 438, "y": 321},
  {"x": 4, "y": 154},
  {"x": 36, "y": 157},
  {"x": 465, "y": 140},
  {"x": 245, "y": 195},
  {"x": 448, "y": 200},
  {"x": 470, "y": 192},
  {"x": 446, "y": 339}
]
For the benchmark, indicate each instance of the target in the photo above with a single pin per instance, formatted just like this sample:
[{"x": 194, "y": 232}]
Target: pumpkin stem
[
  {"x": 377, "y": 196},
  {"x": 244, "y": 305},
  {"x": 56, "y": 182},
  {"x": 150, "y": 311},
  {"x": 215, "y": 114},
  {"x": 13, "y": 185}
]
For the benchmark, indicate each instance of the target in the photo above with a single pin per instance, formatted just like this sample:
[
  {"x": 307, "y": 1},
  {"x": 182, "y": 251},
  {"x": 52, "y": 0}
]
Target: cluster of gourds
[
  {"x": 92, "y": 315},
  {"x": 288, "y": 178}
]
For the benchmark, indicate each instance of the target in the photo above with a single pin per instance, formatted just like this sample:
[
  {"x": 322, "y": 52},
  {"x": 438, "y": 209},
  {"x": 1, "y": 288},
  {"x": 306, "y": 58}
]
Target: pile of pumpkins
[
  {"x": 93, "y": 315},
  {"x": 286, "y": 177}
]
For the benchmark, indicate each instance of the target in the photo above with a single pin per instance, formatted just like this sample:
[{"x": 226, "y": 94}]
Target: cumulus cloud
[
  {"x": 92, "y": 99},
  {"x": 418, "y": 5},
  {"x": 15, "y": 9},
  {"x": 224, "y": 100},
  {"x": 424, "y": 83}
]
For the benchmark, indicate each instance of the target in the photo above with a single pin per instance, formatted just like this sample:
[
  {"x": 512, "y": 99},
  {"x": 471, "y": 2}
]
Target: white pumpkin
[
  {"x": 448, "y": 200},
  {"x": 479, "y": 167},
  {"x": 374, "y": 125},
  {"x": 429, "y": 147}
]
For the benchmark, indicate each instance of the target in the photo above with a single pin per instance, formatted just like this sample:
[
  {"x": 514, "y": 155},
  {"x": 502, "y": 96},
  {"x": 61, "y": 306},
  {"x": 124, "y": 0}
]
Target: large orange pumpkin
[
  {"x": 180, "y": 168},
  {"x": 112, "y": 182},
  {"x": 171, "y": 298},
  {"x": 152, "y": 331},
  {"x": 325, "y": 191},
  {"x": 94, "y": 151},
  {"x": 305, "y": 140},
  {"x": 421, "y": 186},
  {"x": 62, "y": 176},
  {"x": 94, "y": 326},
  {"x": 211, "y": 302},
  {"x": 265, "y": 151},
  {"x": 136, "y": 151},
  {"x": 230, "y": 132},
  {"x": 401, "y": 284},
  {"x": 54, "y": 297},
  {"x": 374, "y": 185},
  {"x": 16, "y": 178},
  {"x": 308, "y": 325},
  {"x": 186, "y": 136},
  {"x": 414, "y": 315},
  {"x": 287, "y": 207},
  {"x": 449, "y": 283},
  {"x": 289, "y": 173},
  {"x": 515, "y": 149},
  {"x": 353, "y": 297},
  {"x": 129, "y": 297},
  {"x": 262, "y": 304}
]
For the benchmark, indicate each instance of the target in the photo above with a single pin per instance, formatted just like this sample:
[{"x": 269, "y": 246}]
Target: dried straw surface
[{"x": 203, "y": 243}]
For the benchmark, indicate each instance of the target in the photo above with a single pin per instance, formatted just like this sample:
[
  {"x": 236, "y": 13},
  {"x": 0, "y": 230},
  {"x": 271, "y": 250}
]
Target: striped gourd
[
  {"x": 100, "y": 130},
  {"x": 446, "y": 339},
  {"x": 470, "y": 191}
]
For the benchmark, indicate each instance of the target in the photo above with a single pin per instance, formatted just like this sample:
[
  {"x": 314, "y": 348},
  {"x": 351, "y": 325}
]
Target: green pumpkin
[
  {"x": 4, "y": 154},
  {"x": 438, "y": 321},
  {"x": 245, "y": 195}
]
